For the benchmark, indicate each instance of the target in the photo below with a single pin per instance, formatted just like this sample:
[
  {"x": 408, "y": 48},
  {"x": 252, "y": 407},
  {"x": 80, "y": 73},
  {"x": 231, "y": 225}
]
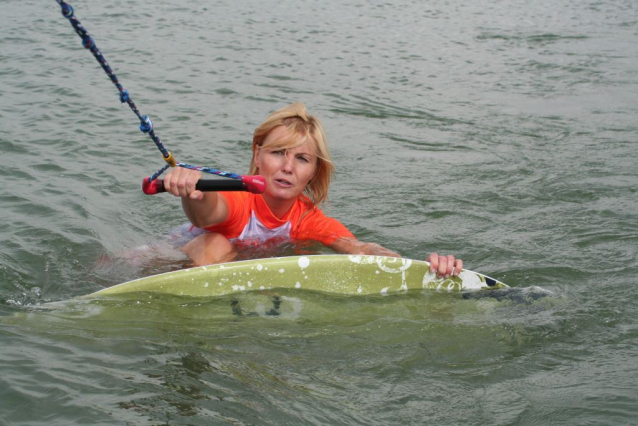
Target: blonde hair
[{"x": 301, "y": 127}]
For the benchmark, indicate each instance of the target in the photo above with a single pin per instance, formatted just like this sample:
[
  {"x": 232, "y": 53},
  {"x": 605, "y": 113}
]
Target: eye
[
  {"x": 304, "y": 159},
  {"x": 278, "y": 152}
]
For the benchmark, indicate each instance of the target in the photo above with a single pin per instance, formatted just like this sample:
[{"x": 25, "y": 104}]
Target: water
[{"x": 504, "y": 133}]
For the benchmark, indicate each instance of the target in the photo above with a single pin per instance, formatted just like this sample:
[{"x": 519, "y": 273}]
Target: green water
[{"x": 504, "y": 133}]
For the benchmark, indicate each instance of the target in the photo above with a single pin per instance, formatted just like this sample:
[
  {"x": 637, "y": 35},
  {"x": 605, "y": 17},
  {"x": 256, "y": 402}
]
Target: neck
[{"x": 278, "y": 207}]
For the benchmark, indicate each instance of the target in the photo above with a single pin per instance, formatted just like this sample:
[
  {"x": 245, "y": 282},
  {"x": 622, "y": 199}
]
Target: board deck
[{"x": 340, "y": 274}]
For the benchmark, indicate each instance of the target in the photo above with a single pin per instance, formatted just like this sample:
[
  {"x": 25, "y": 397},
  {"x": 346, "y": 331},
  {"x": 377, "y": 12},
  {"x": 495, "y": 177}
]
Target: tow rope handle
[{"x": 251, "y": 183}]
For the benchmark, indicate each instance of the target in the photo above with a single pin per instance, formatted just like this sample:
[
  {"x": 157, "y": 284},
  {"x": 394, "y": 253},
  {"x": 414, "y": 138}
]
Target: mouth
[{"x": 284, "y": 183}]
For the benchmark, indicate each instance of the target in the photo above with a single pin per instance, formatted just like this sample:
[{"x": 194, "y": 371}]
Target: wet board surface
[{"x": 339, "y": 274}]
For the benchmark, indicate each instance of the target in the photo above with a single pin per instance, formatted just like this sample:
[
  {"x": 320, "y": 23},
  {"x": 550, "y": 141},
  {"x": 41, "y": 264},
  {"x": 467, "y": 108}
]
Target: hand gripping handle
[{"x": 251, "y": 183}]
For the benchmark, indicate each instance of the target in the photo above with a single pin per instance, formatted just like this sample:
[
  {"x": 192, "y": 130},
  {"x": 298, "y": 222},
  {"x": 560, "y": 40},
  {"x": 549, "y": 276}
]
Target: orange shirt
[{"x": 250, "y": 218}]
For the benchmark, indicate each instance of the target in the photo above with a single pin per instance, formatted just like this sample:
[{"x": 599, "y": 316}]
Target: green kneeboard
[{"x": 340, "y": 274}]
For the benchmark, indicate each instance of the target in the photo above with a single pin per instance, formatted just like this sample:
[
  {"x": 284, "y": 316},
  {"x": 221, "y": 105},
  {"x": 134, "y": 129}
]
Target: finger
[
  {"x": 442, "y": 270},
  {"x": 178, "y": 187},
  {"x": 450, "y": 265},
  {"x": 169, "y": 183},
  {"x": 191, "y": 178},
  {"x": 434, "y": 262},
  {"x": 196, "y": 195},
  {"x": 189, "y": 185},
  {"x": 177, "y": 181},
  {"x": 185, "y": 184},
  {"x": 458, "y": 267}
]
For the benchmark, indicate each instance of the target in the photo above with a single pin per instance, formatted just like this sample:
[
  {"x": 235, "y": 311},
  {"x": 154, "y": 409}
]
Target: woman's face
[{"x": 287, "y": 172}]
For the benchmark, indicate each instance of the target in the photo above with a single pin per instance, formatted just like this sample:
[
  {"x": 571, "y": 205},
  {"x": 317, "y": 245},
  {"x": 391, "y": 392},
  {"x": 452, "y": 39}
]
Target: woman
[{"x": 290, "y": 151}]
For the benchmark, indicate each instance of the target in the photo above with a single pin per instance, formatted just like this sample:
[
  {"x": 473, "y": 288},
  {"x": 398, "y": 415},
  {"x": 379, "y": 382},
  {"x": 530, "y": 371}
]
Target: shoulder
[
  {"x": 316, "y": 225},
  {"x": 239, "y": 204},
  {"x": 239, "y": 200},
  {"x": 235, "y": 197}
]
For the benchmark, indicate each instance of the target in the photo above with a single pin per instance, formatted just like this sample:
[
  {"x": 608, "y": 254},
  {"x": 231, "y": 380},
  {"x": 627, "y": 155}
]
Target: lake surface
[{"x": 502, "y": 132}]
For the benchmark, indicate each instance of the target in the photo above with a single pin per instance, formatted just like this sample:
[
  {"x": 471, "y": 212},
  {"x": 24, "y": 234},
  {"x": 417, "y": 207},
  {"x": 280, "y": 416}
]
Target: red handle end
[
  {"x": 254, "y": 183},
  {"x": 152, "y": 187}
]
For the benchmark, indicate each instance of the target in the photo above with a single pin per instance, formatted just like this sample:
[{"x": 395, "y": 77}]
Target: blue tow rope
[{"x": 146, "y": 125}]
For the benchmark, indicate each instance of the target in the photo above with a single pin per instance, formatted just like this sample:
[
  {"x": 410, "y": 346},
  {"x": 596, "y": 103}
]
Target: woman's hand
[
  {"x": 444, "y": 266},
  {"x": 181, "y": 183}
]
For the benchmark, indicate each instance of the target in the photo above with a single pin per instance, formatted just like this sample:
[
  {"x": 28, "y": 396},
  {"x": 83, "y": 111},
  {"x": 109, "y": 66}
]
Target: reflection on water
[{"x": 180, "y": 358}]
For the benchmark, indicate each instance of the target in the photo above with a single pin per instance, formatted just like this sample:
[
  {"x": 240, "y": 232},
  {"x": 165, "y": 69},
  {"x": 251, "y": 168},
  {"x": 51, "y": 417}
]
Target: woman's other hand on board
[
  {"x": 181, "y": 183},
  {"x": 444, "y": 266}
]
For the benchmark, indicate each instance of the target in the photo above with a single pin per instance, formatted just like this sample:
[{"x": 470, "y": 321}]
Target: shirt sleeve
[
  {"x": 319, "y": 227},
  {"x": 238, "y": 208}
]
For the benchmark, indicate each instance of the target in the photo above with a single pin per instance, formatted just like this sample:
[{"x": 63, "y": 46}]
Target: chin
[{"x": 285, "y": 194}]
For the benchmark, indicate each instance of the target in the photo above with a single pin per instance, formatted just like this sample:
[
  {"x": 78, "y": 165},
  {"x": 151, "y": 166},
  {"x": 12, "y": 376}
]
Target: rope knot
[
  {"x": 146, "y": 125},
  {"x": 124, "y": 97},
  {"x": 87, "y": 42},
  {"x": 67, "y": 11}
]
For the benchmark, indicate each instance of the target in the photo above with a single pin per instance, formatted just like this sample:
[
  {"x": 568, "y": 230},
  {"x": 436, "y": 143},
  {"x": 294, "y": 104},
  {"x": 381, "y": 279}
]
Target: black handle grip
[{"x": 254, "y": 184}]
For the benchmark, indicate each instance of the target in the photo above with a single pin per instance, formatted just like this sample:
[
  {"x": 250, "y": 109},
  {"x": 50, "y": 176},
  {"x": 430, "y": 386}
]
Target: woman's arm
[
  {"x": 444, "y": 266},
  {"x": 353, "y": 246},
  {"x": 201, "y": 209}
]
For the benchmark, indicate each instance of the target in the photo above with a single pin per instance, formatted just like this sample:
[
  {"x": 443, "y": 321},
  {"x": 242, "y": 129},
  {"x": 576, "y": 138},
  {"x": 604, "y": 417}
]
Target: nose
[{"x": 287, "y": 166}]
